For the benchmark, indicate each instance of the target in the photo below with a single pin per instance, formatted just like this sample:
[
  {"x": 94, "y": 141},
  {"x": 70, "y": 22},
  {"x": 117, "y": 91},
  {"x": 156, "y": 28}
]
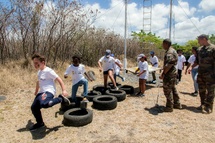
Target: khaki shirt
[
  {"x": 206, "y": 60},
  {"x": 170, "y": 59}
]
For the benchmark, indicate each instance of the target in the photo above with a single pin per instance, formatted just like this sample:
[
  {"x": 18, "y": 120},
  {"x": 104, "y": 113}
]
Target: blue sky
[{"x": 190, "y": 17}]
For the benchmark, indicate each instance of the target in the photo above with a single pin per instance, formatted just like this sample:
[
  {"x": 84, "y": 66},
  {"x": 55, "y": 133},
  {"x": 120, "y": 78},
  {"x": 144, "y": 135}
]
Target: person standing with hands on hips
[{"x": 169, "y": 76}]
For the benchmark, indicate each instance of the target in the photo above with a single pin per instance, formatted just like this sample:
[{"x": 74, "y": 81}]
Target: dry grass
[{"x": 135, "y": 120}]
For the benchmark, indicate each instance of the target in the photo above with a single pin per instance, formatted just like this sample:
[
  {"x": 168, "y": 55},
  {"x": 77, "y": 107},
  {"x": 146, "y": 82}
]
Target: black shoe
[
  {"x": 168, "y": 109},
  {"x": 138, "y": 93},
  {"x": 37, "y": 126},
  {"x": 195, "y": 93},
  {"x": 65, "y": 100},
  {"x": 199, "y": 108},
  {"x": 177, "y": 106}
]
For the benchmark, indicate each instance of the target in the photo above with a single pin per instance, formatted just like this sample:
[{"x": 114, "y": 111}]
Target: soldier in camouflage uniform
[
  {"x": 206, "y": 73},
  {"x": 169, "y": 76}
]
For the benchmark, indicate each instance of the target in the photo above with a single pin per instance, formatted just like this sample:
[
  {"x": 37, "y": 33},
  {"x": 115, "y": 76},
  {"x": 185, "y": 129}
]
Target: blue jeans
[
  {"x": 75, "y": 89},
  {"x": 194, "y": 73},
  {"x": 43, "y": 100},
  {"x": 117, "y": 75}
]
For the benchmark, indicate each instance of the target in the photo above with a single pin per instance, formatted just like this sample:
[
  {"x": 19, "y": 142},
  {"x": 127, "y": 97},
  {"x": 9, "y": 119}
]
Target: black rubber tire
[
  {"x": 91, "y": 74},
  {"x": 119, "y": 94},
  {"x": 93, "y": 94},
  {"x": 127, "y": 88},
  {"x": 112, "y": 86},
  {"x": 64, "y": 108},
  {"x": 77, "y": 117},
  {"x": 100, "y": 88},
  {"x": 104, "y": 102}
]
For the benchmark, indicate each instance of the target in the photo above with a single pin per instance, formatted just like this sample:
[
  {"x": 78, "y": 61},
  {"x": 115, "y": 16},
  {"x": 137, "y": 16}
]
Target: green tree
[
  {"x": 212, "y": 38},
  {"x": 148, "y": 38}
]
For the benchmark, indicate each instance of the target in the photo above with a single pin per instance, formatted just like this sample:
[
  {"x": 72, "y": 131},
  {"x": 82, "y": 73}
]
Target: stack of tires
[{"x": 102, "y": 98}]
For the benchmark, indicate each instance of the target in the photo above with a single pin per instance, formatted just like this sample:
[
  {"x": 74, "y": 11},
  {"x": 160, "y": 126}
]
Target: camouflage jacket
[
  {"x": 170, "y": 59},
  {"x": 206, "y": 60}
]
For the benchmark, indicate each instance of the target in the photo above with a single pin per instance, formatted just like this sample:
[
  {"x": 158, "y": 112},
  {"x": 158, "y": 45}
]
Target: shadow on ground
[
  {"x": 191, "y": 108},
  {"x": 155, "y": 110},
  {"x": 187, "y": 93},
  {"x": 39, "y": 133}
]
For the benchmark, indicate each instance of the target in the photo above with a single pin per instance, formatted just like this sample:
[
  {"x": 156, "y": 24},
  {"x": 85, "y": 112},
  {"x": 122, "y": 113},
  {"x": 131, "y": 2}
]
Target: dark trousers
[
  {"x": 153, "y": 76},
  {"x": 43, "y": 100},
  {"x": 115, "y": 75},
  {"x": 179, "y": 75}
]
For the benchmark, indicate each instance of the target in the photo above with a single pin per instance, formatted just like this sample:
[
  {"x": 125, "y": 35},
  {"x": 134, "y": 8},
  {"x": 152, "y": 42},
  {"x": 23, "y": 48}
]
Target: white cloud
[
  {"x": 207, "y": 5},
  {"x": 187, "y": 25}
]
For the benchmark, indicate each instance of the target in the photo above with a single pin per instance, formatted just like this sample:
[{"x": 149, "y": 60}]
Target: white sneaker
[
  {"x": 85, "y": 99},
  {"x": 123, "y": 79},
  {"x": 117, "y": 88}
]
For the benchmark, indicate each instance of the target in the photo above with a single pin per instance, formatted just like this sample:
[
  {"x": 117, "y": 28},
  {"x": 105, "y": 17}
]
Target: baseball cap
[
  {"x": 152, "y": 52},
  {"x": 203, "y": 36},
  {"x": 140, "y": 56},
  {"x": 107, "y": 53}
]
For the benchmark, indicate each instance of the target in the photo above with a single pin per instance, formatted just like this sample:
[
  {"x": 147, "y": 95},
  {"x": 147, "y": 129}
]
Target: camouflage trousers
[
  {"x": 170, "y": 91},
  {"x": 207, "y": 93}
]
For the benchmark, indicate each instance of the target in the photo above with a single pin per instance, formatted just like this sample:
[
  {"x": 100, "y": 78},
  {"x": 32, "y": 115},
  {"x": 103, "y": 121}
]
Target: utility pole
[
  {"x": 125, "y": 41},
  {"x": 170, "y": 21}
]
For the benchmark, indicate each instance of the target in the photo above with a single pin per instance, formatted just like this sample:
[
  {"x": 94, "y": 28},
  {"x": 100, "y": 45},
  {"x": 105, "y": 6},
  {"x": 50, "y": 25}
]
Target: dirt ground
[{"x": 135, "y": 120}]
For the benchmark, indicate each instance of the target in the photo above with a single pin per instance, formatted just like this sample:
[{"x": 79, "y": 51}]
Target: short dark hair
[
  {"x": 195, "y": 48},
  {"x": 76, "y": 57},
  {"x": 167, "y": 41},
  {"x": 203, "y": 36},
  {"x": 41, "y": 58}
]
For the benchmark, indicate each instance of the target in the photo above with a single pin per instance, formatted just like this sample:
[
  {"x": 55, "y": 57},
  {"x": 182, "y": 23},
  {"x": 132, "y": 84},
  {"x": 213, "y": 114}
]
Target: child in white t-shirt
[
  {"x": 106, "y": 64},
  {"x": 117, "y": 69},
  {"x": 45, "y": 90},
  {"x": 154, "y": 63},
  {"x": 143, "y": 74},
  {"x": 77, "y": 72},
  {"x": 194, "y": 70},
  {"x": 180, "y": 64}
]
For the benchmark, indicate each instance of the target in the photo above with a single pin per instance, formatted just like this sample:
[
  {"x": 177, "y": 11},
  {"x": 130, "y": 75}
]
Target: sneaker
[
  {"x": 85, "y": 99},
  {"x": 65, "y": 100},
  {"x": 123, "y": 79},
  {"x": 116, "y": 88},
  {"x": 141, "y": 94},
  {"x": 154, "y": 81},
  {"x": 138, "y": 93},
  {"x": 195, "y": 93},
  {"x": 36, "y": 126}
]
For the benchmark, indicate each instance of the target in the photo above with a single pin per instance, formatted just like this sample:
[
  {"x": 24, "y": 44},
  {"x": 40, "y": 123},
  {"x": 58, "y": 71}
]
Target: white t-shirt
[
  {"x": 154, "y": 60},
  {"x": 46, "y": 79},
  {"x": 116, "y": 67},
  {"x": 181, "y": 60},
  {"x": 77, "y": 73},
  {"x": 107, "y": 63},
  {"x": 191, "y": 60},
  {"x": 143, "y": 66}
]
